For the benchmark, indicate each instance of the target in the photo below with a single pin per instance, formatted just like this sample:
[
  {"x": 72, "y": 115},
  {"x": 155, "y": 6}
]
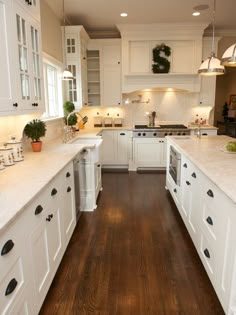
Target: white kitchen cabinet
[
  {"x": 191, "y": 198},
  {"x": 115, "y": 148},
  {"x": 204, "y": 131},
  {"x": 149, "y": 152},
  {"x": 32, "y": 7},
  {"x": 209, "y": 216},
  {"x": 93, "y": 78},
  {"x": 140, "y": 57},
  {"x": 7, "y": 59},
  {"x": 111, "y": 85},
  {"x": 21, "y": 61},
  {"x": 76, "y": 41}
]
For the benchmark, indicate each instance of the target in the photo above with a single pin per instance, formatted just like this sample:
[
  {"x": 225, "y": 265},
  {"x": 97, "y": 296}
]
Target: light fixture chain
[{"x": 213, "y": 30}]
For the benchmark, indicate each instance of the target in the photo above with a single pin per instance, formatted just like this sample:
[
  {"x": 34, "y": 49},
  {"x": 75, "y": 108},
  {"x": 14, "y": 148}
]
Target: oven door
[{"x": 175, "y": 165}]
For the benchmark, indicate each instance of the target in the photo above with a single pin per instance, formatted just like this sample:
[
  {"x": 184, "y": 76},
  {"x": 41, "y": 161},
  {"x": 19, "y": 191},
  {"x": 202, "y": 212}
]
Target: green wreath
[{"x": 161, "y": 64}]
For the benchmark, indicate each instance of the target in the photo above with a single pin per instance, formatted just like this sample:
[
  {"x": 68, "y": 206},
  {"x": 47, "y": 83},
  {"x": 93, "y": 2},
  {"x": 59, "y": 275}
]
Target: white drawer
[
  {"x": 11, "y": 285},
  {"x": 208, "y": 257}
]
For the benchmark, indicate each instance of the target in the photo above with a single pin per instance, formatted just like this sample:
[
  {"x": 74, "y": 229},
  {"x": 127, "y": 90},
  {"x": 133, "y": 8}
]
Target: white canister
[
  {"x": 1, "y": 162},
  {"x": 8, "y": 157},
  {"x": 17, "y": 150}
]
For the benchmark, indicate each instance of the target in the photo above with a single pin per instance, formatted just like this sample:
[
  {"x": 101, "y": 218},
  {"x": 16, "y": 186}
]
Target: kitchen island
[{"x": 206, "y": 199}]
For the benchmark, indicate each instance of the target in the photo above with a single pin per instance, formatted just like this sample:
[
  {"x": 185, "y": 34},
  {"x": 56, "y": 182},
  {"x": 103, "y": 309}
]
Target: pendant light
[
  {"x": 66, "y": 75},
  {"x": 211, "y": 66},
  {"x": 229, "y": 57}
]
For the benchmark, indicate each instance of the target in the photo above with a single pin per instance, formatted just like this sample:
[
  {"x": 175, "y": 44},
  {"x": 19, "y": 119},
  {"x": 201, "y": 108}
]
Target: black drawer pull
[
  {"x": 7, "y": 247},
  {"x": 122, "y": 134},
  {"x": 206, "y": 253},
  {"x": 194, "y": 175},
  {"x": 15, "y": 104},
  {"x": 209, "y": 220},
  {"x": 53, "y": 192},
  {"x": 50, "y": 216},
  {"x": 38, "y": 210},
  {"x": 175, "y": 190},
  {"x": 68, "y": 174},
  {"x": 68, "y": 189},
  {"x": 48, "y": 219},
  {"x": 210, "y": 193},
  {"x": 185, "y": 165},
  {"x": 11, "y": 287},
  {"x": 204, "y": 134},
  {"x": 188, "y": 183}
]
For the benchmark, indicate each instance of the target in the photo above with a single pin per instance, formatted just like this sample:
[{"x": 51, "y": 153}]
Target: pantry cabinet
[{"x": 21, "y": 60}]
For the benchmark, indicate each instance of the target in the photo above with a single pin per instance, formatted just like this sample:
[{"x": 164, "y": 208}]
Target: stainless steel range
[{"x": 143, "y": 131}]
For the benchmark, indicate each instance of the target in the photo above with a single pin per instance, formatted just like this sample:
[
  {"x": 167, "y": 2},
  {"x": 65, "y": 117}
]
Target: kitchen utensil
[{"x": 8, "y": 156}]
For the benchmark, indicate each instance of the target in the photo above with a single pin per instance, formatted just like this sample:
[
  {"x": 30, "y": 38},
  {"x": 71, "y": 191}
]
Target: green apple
[{"x": 231, "y": 146}]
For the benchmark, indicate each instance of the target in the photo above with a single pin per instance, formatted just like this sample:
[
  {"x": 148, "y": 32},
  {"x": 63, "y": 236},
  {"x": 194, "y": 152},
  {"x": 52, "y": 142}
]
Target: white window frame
[{"x": 49, "y": 61}]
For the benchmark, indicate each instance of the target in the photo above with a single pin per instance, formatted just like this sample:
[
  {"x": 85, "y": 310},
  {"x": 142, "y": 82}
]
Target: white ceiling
[{"x": 103, "y": 15}]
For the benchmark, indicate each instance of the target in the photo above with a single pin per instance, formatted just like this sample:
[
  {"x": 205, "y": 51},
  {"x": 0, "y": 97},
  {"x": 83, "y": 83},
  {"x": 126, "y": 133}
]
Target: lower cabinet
[
  {"x": 115, "y": 148},
  {"x": 210, "y": 218},
  {"x": 33, "y": 246},
  {"x": 149, "y": 152},
  {"x": 204, "y": 132}
]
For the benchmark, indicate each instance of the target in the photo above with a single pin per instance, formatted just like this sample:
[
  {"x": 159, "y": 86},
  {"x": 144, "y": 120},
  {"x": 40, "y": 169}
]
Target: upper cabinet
[
  {"x": 32, "y": 7},
  {"x": 76, "y": 41},
  {"x": 138, "y": 41},
  {"x": 21, "y": 62}
]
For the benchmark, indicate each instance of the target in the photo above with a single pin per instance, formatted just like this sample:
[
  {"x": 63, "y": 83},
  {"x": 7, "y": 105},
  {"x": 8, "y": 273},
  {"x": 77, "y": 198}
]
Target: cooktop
[{"x": 174, "y": 126}]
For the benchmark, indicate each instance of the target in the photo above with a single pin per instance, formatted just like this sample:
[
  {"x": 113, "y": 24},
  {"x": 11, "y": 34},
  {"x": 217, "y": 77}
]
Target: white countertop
[
  {"x": 206, "y": 153},
  {"x": 205, "y": 127},
  {"x": 21, "y": 182}
]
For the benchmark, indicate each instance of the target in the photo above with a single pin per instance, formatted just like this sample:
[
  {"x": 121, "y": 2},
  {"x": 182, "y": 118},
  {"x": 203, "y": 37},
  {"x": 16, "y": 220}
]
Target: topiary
[
  {"x": 68, "y": 107},
  {"x": 161, "y": 64},
  {"x": 35, "y": 130}
]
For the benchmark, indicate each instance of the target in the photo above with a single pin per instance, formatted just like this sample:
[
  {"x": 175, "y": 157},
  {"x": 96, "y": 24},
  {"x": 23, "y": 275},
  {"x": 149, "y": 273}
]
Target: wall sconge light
[{"x": 139, "y": 100}]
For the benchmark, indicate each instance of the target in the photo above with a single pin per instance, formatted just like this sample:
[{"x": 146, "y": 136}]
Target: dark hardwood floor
[{"x": 132, "y": 256}]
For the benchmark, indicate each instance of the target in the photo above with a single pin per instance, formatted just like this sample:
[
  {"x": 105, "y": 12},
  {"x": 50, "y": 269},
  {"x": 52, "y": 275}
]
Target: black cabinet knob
[
  {"x": 194, "y": 175},
  {"x": 206, "y": 253},
  {"x": 68, "y": 189},
  {"x": 7, "y": 247},
  {"x": 188, "y": 183},
  {"x": 11, "y": 286},
  {"x": 48, "y": 219},
  {"x": 68, "y": 174},
  {"x": 210, "y": 193},
  {"x": 118, "y": 62},
  {"x": 50, "y": 216},
  {"x": 185, "y": 165},
  {"x": 175, "y": 190},
  {"x": 38, "y": 210},
  {"x": 53, "y": 192},
  {"x": 15, "y": 104},
  {"x": 99, "y": 165},
  {"x": 209, "y": 220}
]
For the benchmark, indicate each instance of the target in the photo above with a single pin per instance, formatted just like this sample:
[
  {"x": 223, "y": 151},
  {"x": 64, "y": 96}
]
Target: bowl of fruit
[{"x": 230, "y": 147}]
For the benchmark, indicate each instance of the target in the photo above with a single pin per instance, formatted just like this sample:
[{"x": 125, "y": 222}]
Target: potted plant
[
  {"x": 69, "y": 117},
  {"x": 35, "y": 130}
]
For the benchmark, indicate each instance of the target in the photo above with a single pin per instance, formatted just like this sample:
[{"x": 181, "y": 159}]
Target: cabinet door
[
  {"x": 7, "y": 59},
  {"x": 111, "y": 85},
  {"x": 147, "y": 152},
  {"x": 73, "y": 87},
  {"x": 111, "y": 54},
  {"x": 108, "y": 147},
  {"x": 32, "y": 7},
  {"x": 71, "y": 46},
  {"x": 140, "y": 58},
  {"x": 122, "y": 147},
  {"x": 180, "y": 64}
]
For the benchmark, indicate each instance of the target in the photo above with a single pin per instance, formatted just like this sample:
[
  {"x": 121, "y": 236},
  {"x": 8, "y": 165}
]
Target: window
[{"x": 52, "y": 87}]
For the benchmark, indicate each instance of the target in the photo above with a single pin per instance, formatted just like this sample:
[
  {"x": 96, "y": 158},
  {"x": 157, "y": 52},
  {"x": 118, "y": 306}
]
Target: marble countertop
[
  {"x": 21, "y": 182},
  {"x": 207, "y": 153},
  {"x": 206, "y": 127}
]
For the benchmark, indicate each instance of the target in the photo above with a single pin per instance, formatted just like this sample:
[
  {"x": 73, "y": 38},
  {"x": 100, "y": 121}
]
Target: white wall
[{"x": 171, "y": 107}]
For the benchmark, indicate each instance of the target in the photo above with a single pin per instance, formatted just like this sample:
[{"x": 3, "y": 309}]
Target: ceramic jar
[
  {"x": 1, "y": 162},
  {"x": 17, "y": 150},
  {"x": 8, "y": 157}
]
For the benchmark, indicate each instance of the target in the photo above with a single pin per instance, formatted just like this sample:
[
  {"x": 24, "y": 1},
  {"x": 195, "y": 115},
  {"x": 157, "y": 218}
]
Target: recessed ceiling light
[
  {"x": 196, "y": 13},
  {"x": 124, "y": 14}
]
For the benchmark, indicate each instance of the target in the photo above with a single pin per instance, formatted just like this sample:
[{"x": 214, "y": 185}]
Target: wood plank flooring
[{"x": 132, "y": 256}]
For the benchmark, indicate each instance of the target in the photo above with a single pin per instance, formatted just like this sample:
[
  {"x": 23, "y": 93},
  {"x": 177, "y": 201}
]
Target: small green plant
[
  {"x": 68, "y": 107},
  {"x": 35, "y": 130}
]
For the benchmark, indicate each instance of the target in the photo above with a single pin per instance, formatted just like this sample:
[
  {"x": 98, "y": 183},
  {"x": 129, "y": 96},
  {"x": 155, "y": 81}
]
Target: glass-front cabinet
[{"x": 29, "y": 62}]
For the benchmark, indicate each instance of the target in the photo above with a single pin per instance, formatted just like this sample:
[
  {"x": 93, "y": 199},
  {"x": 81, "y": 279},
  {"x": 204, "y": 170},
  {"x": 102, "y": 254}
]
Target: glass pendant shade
[
  {"x": 229, "y": 57},
  {"x": 67, "y": 75},
  {"x": 211, "y": 66}
]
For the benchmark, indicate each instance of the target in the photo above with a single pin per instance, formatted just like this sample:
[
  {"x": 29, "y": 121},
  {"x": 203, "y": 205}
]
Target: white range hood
[{"x": 138, "y": 41}]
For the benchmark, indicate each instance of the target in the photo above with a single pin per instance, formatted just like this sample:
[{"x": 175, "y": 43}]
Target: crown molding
[{"x": 221, "y": 32}]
